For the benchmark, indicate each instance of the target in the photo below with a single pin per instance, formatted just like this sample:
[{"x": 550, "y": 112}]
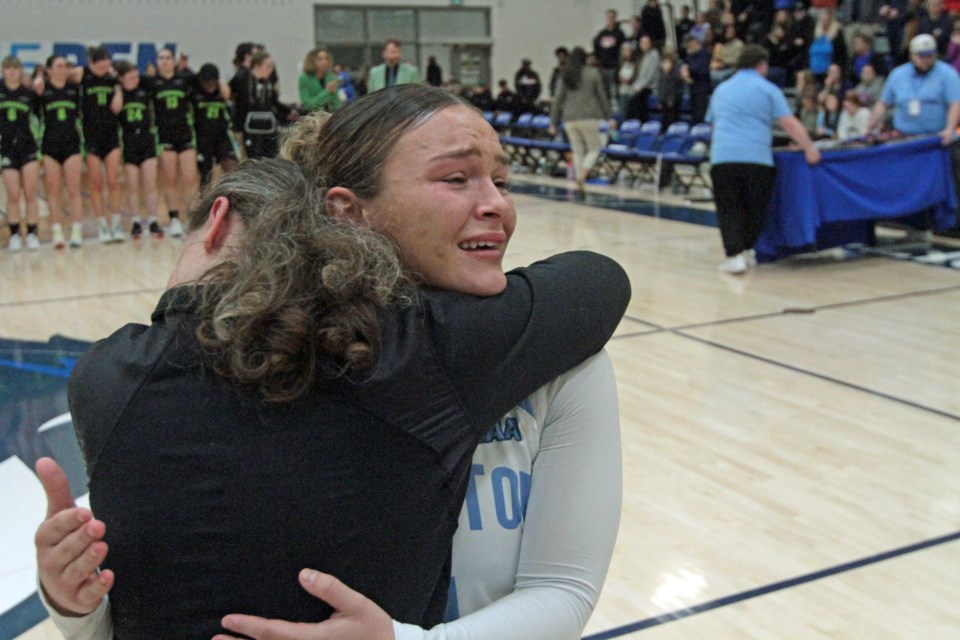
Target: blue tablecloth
[{"x": 837, "y": 201}]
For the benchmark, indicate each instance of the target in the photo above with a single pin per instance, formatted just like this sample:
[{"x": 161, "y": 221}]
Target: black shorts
[
  {"x": 139, "y": 147},
  {"x": 179, "y": 139},
  {"x": 17, "y": 152},
  {"x": 61, "y": 150},
  {"x": 214, "y": 151},
  {"x": 101, "y": 140}
]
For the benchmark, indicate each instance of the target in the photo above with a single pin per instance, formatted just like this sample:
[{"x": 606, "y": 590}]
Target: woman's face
[
  {"x": 12, "y": 76},
  {"x": 130, "y": 80},
  {"x": 445, "y": 202},
  {"x": 322, "y": 62},
  {"x": 165, "y": 63},
  {"x": 58, "y": 70},
  {"x": 645, "y": 44},
  {"x": 101, "y": 68}
]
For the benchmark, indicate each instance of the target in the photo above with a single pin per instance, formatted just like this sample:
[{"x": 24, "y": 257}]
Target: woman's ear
[{"x": 344, "y": 205}]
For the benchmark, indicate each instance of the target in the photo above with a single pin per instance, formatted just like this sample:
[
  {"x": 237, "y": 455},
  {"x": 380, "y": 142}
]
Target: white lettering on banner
[{"x": 35, "y": 53}]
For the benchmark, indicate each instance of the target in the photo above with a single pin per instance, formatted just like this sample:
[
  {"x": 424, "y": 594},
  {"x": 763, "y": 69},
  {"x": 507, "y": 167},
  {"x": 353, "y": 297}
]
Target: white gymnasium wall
[{"x": 208, "y": 30}]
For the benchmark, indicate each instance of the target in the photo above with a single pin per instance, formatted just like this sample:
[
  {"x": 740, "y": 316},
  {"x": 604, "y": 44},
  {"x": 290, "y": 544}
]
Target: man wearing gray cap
[{"x": 925, "y": 94}]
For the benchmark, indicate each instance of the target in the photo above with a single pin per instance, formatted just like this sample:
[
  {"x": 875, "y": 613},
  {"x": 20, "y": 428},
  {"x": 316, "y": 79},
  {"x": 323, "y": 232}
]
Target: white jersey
[
  {"x": 538, "y": 525},
  {"x": 540, "y": 519}
]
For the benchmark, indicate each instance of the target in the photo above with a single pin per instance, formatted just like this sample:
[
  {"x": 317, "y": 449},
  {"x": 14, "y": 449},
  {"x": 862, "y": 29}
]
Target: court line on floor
[
  {"x": 735, "y": 598},
  {"x": 85, "y": 296},
  {"x": 821, "y": 376}
]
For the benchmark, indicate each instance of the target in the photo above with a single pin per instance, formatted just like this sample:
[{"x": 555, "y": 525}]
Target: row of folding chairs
[{"x": 644, "y": 152}]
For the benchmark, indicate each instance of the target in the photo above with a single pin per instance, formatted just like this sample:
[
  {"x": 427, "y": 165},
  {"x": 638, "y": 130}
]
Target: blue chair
[
  {"x": 692, "y": 155},
  {"x": 502, "y": 120}
]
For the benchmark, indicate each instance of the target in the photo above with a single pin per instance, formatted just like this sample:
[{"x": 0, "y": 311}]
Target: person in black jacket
[
  {"x": 651, "y": 22},
  {"x": 259, "y": 109},
  {"x": 606, "y": 47}
]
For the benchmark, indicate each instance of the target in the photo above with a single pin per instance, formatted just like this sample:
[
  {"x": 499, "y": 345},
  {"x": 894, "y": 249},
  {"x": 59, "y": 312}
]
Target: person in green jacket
[
  {"x": 318, "y": 83},
  {"x": 392, "y": 72}
]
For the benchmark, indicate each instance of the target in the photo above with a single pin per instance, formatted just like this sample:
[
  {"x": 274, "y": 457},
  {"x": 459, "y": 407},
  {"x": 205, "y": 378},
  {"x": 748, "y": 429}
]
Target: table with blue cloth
[{"x": 838, "y": 201}]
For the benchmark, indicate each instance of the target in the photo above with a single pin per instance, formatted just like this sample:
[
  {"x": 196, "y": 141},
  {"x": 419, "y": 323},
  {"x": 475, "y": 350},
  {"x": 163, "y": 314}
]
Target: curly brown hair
[{"x": 298, "y": 298}]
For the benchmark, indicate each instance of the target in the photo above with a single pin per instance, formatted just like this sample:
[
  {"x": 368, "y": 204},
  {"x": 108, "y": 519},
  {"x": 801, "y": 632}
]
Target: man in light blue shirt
[
  {"x": 924, "y": 92},
  {"x": 743, "y": 110}
]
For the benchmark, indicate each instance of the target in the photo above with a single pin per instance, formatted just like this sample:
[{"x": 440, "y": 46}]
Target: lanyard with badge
[{"x": 913, "y": 106}]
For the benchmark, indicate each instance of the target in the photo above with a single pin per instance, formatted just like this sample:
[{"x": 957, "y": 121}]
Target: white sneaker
[
  {"x": 751, "y": 257},
  {"x": 16, "y": 243},
  {"x": 119, "y": 235},
  {"x": 176, "y": 228},
  {"x": 58, "y": 241},
  {"x": 736, "y": 264},
  {"x": 76, "y": 236},
  {"x": 105, "y": 236},
  {"x": 33, "y": 242}
]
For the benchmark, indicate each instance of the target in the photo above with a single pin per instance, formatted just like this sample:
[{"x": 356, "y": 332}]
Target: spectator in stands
[
  {"x": 925, "y": 94},
  {"x": 584, "y": 103},
  {"x": 627, "y": 76},
  {"x": 392, "y": 72},
  {"x": 561, "y": 54},
  {"x": 635, "y": 32},
  {"x": 527, "y": 84},
  {"x": 828, "y": 45},
  {"x": 782, "y": 53},
  {"x": 743, "y": 110},
  {"x": 801, "y": 33},
  {"x": 683, "y": 26},
  {"x": 669, "y": 89},
  {"x": 808, "y": 113},
  {"x": 896, "y": 14},
  {"x": 953, "y": 49},
  {"x": 478, "y": 96},
  {"x": 725, "y": 55},
  {"x": 832, "y": 84},
  {"x": 828, "y": 117},
  {"x": 935, "y": 21},
  {"x": 238, "y": 83},
  {"x": 700, "y": 27},
  {"x": 259, "y": 107},
  {"x": 319, "y": 84},
  {"x": 648, "y": 74},
  {"x": 853, "y": 119},
  {"x": 870, "y": 86},
  {"x": 696, "y": 74},
  {"x": 606, "y": 47},
  {"x": 506, "y": 99},
  {"x": 863, "y": 55},
  {"x": 651, "y": 24},
  {"x": 434, "y": 72}
]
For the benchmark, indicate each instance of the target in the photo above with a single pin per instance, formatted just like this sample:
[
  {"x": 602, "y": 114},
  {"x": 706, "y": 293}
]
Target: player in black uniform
[
  {"x": 211, "y": 120},
  {"x": 101, "y": 139},
  {"x": 58, "y": 105},
  {"x": 171, "y": 101},
  {"x": 18, "y": 154},
  {"x": 133, "y": 105}
]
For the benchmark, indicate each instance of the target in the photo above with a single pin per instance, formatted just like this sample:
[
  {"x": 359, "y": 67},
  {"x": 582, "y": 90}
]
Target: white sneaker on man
[
  {"x": 76, "y": 236},
  {"x": 16, "y": 243},
  {"x": 734, "y": 264},
  {"x": 751, "y": 257},
  {"x": 33, "y": 242},
  {"x": 176, "y": 228}
]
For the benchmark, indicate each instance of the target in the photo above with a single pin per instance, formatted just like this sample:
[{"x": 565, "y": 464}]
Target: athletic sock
[
  {"x": 14, "y": 228},
  {"x": 174, "y": 213},
  {"x": 31, "y": 228},
  {"x": 103, "y": 223}
]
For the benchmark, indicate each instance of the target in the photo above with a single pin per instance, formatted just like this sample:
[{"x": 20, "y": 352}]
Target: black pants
[
  {"x": 742, "y": 194},
  {"x": 698, "y": 107},
  {"x": 638, "y": 108}
]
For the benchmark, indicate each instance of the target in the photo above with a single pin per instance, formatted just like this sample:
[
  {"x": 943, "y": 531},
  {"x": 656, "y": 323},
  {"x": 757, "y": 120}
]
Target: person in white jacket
[{"x": 853, "y": 118}]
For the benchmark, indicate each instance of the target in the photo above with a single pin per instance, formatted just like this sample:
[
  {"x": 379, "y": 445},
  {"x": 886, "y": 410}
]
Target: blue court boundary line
[
  {"x": 735, "y": 598},
  {"x": 22, "y": 617}
]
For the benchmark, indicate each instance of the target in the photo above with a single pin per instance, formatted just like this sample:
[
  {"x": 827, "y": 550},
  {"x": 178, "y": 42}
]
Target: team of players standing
[{"x": 174, "y": 125}]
